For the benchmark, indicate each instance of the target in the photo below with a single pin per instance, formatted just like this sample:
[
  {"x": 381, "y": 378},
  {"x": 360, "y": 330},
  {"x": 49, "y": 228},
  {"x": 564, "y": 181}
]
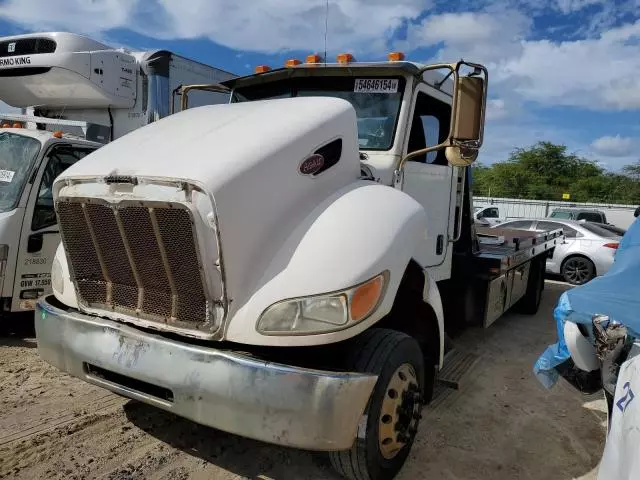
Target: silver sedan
[{"x": 588, "y": 250}]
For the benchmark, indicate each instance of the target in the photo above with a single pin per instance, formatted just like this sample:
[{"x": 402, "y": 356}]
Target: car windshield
[
  {"x": 17, "y": 156},
  {"x": 598, "y": 230},
  {"x": 376, "y": 101},
  {"x": 561, "y": 214}
]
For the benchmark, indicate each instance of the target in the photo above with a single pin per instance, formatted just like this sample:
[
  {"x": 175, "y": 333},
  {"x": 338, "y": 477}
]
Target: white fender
[
  {"x": 582, "y": 351},
  {"x": 357, "y": 233},
  {"x": 61, "y": 284}
]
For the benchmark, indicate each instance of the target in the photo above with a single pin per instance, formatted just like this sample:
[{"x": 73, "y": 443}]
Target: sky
[{"x": 565, "y": 71}]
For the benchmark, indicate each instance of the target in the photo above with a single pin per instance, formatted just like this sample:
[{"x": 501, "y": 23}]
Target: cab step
[{"x": 456, "y": 365}]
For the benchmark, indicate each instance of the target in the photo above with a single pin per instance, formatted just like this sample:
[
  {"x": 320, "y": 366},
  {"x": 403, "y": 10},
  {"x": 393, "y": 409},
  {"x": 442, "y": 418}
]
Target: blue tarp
[{"x": 616, "y": 294}]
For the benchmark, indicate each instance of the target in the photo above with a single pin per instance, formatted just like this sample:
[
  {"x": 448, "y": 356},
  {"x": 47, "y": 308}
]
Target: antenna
[{"x": 326, "y": 28}]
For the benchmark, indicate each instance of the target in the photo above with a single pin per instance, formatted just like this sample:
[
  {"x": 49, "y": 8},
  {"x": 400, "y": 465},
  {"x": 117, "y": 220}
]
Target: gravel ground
[{"x": 499, "y": 425}]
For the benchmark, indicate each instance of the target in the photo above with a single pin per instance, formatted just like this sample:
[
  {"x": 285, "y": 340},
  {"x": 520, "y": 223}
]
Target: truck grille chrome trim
[{"x": 140, "y": 259}]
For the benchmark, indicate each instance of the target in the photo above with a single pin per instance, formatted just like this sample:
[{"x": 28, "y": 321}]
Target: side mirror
[
  {"x": 466, "y": 130},
  {"x": 467, "y": 120}
]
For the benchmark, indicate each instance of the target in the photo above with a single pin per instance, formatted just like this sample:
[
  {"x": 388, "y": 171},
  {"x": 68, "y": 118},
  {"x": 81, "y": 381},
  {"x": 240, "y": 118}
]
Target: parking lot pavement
[{"x": 500, "y": 424}]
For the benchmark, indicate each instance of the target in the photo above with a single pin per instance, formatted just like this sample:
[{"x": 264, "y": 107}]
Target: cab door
[
  {"x": 39, "y": 236},
  {"x": 430, "y": 180}
]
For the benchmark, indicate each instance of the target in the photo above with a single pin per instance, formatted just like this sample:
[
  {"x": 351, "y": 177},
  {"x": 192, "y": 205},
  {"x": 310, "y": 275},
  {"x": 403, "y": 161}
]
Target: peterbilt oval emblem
[{"x": 312, "y": 164}]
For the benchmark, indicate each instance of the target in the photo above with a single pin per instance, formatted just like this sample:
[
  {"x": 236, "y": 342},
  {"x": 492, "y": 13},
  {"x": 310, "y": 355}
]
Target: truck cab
[
  {"x": 575, "y": 213},
  {"x": 487, "y": 215},
  {"x": 30, "y": 161},
  {"x": 399, "y": 109},
  {"x": 285, "y": 267}
]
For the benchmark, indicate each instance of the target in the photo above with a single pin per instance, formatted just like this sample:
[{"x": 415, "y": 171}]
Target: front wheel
[
  {"x": 394, "y": 410},
  {"x": 578, "y": 270}
]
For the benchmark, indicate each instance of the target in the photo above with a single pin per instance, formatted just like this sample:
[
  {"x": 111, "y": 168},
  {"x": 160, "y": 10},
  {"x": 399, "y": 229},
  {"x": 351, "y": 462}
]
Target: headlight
[{"x": 323, "y": 313}]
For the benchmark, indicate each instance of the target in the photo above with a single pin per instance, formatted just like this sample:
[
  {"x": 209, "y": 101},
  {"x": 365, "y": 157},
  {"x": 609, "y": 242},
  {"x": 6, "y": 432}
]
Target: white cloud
[
  {"x": 504, "y": 108},
  {"x": 570, "y": 6},
  {"x": 483, "y": 36},
  {"x": 596, "y": 74},
  {"x": 72, "y": 15},
  {"x": 617, "y": 146},
  {"x": 256, "y": 25}
]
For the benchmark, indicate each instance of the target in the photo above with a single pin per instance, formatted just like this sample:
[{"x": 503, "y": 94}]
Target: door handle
[
  {"x": 35, "y": 241},
  {"x": 34, "y": 244},
  {"x": 439, "y": 244}
]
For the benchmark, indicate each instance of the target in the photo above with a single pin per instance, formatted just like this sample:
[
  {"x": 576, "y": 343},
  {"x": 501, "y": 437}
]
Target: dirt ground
[{"x": 501, "y": 424}]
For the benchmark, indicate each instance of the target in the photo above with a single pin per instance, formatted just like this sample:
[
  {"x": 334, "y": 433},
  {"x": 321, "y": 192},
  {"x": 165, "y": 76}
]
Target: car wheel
[{"x": 578, "y": 270}]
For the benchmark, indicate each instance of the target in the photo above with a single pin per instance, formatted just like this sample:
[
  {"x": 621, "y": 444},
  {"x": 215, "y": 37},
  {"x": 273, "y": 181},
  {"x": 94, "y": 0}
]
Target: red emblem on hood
[{"x": 312, "y": 164}]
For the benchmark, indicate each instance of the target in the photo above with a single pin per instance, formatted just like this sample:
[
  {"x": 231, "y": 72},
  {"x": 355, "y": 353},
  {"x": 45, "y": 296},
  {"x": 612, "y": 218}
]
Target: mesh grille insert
[{"x": 135, "y": 259}]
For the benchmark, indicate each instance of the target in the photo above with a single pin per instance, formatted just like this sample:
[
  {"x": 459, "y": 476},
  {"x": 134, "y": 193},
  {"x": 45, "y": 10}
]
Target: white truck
[
  {"x": 80, "y": 94},
  {"x": 487, "y": 216},
  {"x": 285, "y": 267}
]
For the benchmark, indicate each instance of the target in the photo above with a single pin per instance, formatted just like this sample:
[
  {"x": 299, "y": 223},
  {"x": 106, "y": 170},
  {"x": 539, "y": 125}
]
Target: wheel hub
[
  {"x": 577, "y": 271},
  {"x": 400, "y": 412}
]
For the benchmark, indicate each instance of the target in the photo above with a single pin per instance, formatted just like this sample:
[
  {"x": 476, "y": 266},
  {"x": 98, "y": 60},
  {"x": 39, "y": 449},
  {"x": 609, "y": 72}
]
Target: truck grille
[{"x": 137, "y": 260}]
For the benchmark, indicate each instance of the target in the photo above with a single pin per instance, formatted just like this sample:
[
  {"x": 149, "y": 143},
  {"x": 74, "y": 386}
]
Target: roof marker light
[
  {"x": 345, "y": 58},
  {"x": 314, "y": 58},
  {"x": 396, "y": 56},
  {"x": 262, "y": 68},
  {"x": 292, "y": 62}
]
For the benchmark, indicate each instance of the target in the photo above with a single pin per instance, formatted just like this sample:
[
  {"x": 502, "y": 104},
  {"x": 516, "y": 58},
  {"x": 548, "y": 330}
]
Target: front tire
[{"x": 394, "y": 409}]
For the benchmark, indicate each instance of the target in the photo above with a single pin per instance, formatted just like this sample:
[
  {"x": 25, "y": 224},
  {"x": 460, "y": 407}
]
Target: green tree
[{"x": 545, "y": 171}]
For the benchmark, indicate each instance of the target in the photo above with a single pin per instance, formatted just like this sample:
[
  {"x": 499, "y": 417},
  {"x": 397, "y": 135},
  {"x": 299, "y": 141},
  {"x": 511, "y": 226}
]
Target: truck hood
[
  {"x": 214, "y": 144},
  {"x": 259, "y": 162}
]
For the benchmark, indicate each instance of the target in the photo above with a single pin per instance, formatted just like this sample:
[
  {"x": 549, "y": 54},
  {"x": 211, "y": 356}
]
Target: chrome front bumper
[{"x": 297, "y": 407}]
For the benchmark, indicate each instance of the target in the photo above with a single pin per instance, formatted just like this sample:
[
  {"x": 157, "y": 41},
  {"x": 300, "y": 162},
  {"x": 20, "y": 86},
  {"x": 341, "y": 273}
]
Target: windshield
[
  {"x": 561, "y": 214},
  {"x": 375, "y": 100},
  {"x": 17, "y": 156}
]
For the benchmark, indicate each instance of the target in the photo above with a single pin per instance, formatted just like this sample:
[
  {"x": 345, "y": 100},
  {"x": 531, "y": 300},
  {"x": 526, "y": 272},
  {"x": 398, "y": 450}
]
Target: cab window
[
  {"x": 564, "y": 215},
  {"x": 491, "y": 213},
  {"x": 429, "y": 117},
  {"x": 60, "y": 158},
  {"x": 590, "y": 216}
]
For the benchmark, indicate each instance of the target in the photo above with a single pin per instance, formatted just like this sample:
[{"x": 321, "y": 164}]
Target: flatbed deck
[{"x": 509, "y": 248}]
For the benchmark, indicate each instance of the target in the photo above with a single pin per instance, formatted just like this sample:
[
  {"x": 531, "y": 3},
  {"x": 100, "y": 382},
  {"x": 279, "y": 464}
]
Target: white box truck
[
  {"x": 285, "y": 267},
  {"x": 79, "y": 95}
]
